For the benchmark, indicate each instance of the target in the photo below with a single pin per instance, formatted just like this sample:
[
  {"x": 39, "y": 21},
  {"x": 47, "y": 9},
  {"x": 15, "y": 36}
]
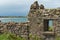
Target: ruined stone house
[
  {"x": 39, "y": 18},
  {"x": 38, "y": 24}
]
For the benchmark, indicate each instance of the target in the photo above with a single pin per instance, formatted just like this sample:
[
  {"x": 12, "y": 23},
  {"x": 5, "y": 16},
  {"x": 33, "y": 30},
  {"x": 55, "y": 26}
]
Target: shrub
[
  {"x": 57, "y": 38},
  {"x": 34, "y": 37},
  {"x": 50, "y": 28},
  {"x": 10, "y": 36}
]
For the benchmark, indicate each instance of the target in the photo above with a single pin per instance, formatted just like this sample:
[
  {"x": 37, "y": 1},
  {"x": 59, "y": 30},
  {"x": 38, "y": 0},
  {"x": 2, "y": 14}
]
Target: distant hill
[{"x": 13, "y": 16}]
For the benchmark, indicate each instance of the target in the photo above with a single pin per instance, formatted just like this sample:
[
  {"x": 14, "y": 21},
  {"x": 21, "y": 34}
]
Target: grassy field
[{"x": 10, "y": 36}]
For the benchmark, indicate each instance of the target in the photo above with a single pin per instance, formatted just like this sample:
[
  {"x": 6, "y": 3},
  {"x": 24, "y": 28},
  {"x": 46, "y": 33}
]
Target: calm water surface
[
  {"x": 19, "y": 20},
  {"x": 13, "y": 20}
]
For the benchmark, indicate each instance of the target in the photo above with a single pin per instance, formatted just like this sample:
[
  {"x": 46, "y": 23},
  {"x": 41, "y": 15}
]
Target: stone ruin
[
  {"x": 19, "y": 29},
  {"x": 38, "y": 18}
]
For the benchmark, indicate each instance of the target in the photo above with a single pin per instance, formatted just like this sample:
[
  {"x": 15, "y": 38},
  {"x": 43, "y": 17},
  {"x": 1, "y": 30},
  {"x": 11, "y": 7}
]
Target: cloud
[
  {"x": 28, "y": 2},
  {"x": 23, "y": 6},
  {"x": 50, "y": 3},
  {"x": 8, "y": 2}
]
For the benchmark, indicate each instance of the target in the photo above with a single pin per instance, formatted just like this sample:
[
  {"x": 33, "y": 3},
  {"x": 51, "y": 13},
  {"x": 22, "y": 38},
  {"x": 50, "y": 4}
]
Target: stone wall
[
  {"x": 37, "y": 14},
  {"x": 35, "y": 26},
  {"x": 20, "y": 29}
]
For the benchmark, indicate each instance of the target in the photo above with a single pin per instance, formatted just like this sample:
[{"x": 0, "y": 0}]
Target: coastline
[{"x": 13, "y": 16}]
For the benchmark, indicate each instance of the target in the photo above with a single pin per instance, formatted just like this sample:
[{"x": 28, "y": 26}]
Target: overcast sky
[{"x": 21, "y": 7}]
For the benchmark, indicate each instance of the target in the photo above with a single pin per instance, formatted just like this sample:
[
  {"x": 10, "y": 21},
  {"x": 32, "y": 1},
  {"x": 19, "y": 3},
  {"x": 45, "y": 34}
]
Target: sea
[{"x": 19, "y": 20}]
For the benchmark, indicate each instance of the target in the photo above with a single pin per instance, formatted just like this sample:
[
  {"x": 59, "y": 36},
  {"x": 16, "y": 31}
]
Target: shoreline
[{"x": 13, "y": 16}]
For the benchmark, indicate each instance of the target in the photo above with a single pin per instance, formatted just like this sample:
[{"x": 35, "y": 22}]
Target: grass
[
  {"x": 35, "y": 37},
  {"x": 50, "y": 28},
  {"x": 9, "y": 36},
  {"x": 57, "y": 38}
]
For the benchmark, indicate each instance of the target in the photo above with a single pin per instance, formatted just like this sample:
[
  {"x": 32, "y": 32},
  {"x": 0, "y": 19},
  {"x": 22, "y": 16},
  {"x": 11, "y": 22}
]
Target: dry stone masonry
[
  {"x": 20, "y": 29},
  {"x": 39, "y": 17},
  {"x": 38, "y": 23}
]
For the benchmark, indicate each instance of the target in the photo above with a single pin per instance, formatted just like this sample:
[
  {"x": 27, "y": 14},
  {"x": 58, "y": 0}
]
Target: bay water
[{"x": 5, "y": 20}]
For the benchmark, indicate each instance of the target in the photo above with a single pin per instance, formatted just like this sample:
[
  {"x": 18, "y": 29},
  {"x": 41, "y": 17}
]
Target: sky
[
  {"x": 50, "y": 23},
  {"x": 22, "y": 7}
]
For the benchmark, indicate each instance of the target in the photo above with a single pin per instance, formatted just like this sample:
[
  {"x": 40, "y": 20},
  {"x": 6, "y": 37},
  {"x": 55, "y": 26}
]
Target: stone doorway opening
[
  {"x": 48, "y": 25},
  {"x": 48, "y": 29}
]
